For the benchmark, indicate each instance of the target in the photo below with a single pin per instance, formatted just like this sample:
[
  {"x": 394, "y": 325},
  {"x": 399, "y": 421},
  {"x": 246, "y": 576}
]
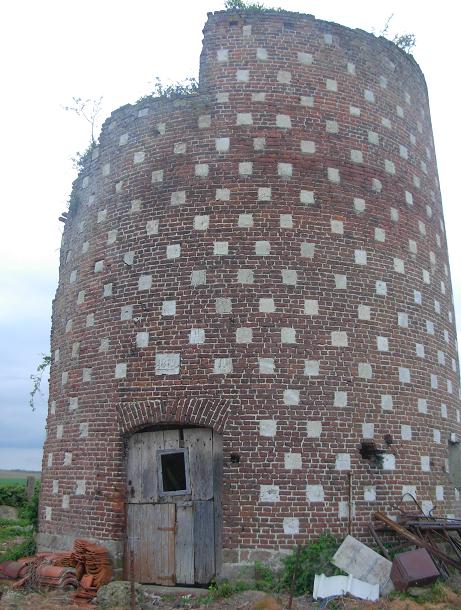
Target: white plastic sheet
[{"x": 328, "y": 586}]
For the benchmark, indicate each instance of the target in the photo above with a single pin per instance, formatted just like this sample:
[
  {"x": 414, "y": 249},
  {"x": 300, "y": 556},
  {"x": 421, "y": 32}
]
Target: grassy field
[
  {"x": 16, "y": 536},
  {"x": 16, "y": 476}
]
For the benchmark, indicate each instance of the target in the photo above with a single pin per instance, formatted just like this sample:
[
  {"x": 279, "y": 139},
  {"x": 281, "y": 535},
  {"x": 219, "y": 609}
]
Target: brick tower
[{"x": 254, "y": 309}]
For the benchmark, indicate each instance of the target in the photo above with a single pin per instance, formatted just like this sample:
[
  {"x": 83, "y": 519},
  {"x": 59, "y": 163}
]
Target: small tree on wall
[
  {"x": 241, "y": 5},
  {"x": 234, "y": 4},
  {"x": 37, "y": 379},
  {"x": 88, "y": 110},
  {"x": 406, "y": 42}
]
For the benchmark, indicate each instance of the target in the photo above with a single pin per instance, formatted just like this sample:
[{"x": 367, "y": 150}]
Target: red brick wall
[{"x": 307, "y": 162}]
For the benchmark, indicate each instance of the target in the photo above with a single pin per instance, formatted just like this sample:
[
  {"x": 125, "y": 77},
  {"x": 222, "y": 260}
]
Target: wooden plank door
[
  {"x": 204, "y": 551},
  {"x": 134, "y": 469},
  {"x": 199, "y": 442},
  {"x": 151, "y": 530},
  {"x": 142, "y": 467},
  {"x": 175, "y": 538},
  {"x": 217, "y": 499},
  {"x": 184, "y": 547}
]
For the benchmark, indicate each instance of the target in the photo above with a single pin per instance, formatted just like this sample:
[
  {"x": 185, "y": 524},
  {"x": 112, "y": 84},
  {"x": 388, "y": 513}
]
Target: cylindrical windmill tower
[{"x": 253, "y": 332}]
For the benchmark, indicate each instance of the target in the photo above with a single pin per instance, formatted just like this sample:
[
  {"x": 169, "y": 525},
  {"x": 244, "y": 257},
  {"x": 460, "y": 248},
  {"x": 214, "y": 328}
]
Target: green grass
[
  {"x": 24, "y": 549},
  {"x": 224, "y": 589},
  {"x": 11, "y": 531},
  {"x": 17, "y": 477},
  {"x": 313, "y": 558},
  {"x": 13, "y": 522},
  {"x": 17, "y": 537},
  {"x": 432, "y": 594},
  {"x": 18, "y": 474}
]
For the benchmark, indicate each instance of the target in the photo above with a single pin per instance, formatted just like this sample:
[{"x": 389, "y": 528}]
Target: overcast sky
[{"x": 54, "y": 50}]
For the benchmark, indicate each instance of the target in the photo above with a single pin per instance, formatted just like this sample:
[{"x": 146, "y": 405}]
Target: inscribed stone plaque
[{"x": 167, "y": 364}]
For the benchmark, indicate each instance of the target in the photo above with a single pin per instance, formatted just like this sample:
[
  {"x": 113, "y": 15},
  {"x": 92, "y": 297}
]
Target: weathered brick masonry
[{"x": 268, "y": 259}]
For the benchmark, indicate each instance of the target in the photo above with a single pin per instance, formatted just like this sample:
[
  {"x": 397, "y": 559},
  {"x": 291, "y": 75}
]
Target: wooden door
[
  {"x": 199, "y": 442},
  {"x": 152, "y": 538},
  {"x": 174, "y": 505}
]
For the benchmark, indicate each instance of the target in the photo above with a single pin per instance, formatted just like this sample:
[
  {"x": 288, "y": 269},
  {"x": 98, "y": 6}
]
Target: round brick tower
[{"x": 258, "y": 271}]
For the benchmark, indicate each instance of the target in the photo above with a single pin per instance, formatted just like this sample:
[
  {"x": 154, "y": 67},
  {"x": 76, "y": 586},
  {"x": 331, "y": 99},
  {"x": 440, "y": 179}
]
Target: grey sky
[{"x": 53, "y": 50}]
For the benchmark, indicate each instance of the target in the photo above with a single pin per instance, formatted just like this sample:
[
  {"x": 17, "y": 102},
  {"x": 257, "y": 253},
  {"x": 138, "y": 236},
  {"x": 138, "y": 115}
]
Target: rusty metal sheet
[{"x": 412, "y": 569}]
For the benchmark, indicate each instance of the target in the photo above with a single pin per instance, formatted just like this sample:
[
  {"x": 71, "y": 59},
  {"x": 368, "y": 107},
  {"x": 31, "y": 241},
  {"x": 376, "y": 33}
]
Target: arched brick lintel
[{"x": 208, "y": 412}]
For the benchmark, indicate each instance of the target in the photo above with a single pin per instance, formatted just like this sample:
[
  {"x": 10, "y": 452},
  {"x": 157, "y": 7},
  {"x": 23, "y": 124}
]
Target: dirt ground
[{"x": 248, "y": 600}]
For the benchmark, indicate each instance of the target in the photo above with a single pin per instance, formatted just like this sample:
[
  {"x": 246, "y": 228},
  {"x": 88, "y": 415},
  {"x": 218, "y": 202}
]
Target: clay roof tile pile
[
  {"x": 93, "y": 567},
  {"x": 86, "y": 568},
  {"x": 12, "y": 569},
  {"x": 95, "y": 561},
  {"x": 56, "y": 576},
  {"x": 38, "y": 571}
]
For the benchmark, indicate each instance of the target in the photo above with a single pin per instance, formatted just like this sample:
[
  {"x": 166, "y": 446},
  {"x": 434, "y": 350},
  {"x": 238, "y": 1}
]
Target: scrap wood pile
[
  {"x": 86, "y": 568},
  {"x": 441, "y": 537}
]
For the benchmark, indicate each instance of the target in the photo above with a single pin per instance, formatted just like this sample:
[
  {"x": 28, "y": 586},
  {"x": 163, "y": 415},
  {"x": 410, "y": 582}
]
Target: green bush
[
  {"x": 224, "y": 589},
  {"x": 244, "y": 5},
  {"x": 29, "y": 510},
  {"x": 266, "y": 579},
  {"x": 314, "y": 558},
  {"x": 13, "y": 494},
  {"x": 241, "y": 5},
  {"x": 173, "y": 91}
]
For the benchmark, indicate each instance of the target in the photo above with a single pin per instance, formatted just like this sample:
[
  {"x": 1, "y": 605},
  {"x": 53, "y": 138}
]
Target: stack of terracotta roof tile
[
  {"x": 32, "y": 571},
  {"x": 12, "y": 569},
  {"x": 56, "y": 576},
  {"x": 92, "y": 559},
  {"x": 93, "y": 568},
  {"x": 86, "y": 568},
  {"x": 64, "y": 559},
  {"x": 86, "y": 592}
]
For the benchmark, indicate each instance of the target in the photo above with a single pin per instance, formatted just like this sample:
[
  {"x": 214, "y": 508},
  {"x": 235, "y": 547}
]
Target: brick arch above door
[{"x": 197, "y": 411}]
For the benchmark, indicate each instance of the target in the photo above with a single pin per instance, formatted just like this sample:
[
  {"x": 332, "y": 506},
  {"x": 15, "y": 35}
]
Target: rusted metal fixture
[
  {"x": 413, "y": 569},
  {"x": 351, "y": 504},
  {"x": 295, "y": 574}
]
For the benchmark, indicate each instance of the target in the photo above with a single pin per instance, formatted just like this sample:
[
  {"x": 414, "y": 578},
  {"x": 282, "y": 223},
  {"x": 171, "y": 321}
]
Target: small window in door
[{"x": 173, "y": 471}]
